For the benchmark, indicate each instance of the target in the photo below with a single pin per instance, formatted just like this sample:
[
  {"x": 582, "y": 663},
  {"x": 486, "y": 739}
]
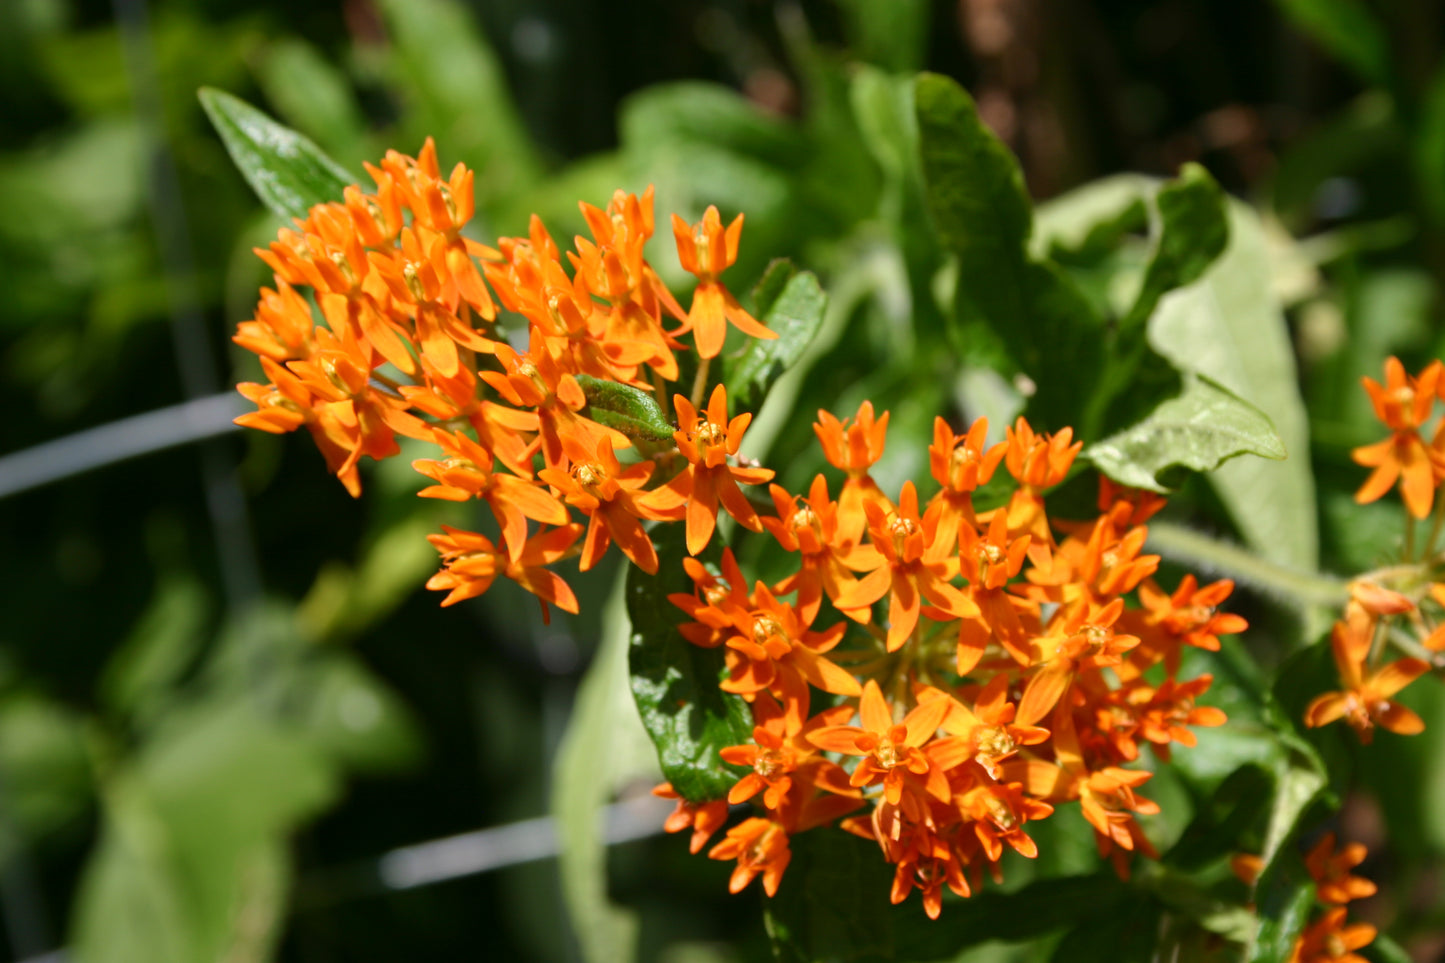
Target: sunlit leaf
[
  {"x": 286, "y": 170},
  {"x": 1199, "y": 430},
  {"x": 630, "y": 410},
  {"x": 791, "y": 305}
]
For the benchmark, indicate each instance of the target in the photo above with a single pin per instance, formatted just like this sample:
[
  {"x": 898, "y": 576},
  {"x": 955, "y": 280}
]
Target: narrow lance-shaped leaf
[
  {"x": 1203, "y": 427},
  {"x": 790, "y": 304},
  {"x": 630, "y": 410},
  {"x": 675, "y": 682},
  {"x": 286, "y": 170}
]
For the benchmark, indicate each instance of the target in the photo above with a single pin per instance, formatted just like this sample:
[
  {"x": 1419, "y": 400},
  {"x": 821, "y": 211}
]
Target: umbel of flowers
[{"x": 931, "y": 676}]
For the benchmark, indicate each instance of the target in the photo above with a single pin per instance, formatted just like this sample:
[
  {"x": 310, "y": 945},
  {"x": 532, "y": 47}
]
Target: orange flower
[
  {"x": 703, "y": 819},
  {"x": 812, "y": 532},
  {"x": 1084, "y": 638},
  {"x": 707, "y": 443},
  {"x": 1329, "y": 940},
  {"x": 1365, "y": 700},
  {"x": 1331, "y": 871},
  {"x": 987, "y": 563},
  {"x": 473, "y": 563},
  {"x": 706, "y": 250},
  {"x": 890, "y": 752},
  {"x": 598, "y": 486},
  {"x": 853, "y": 445},
  {"x": 1163, "y": 713},
  {"x": 960, "y": 464},
  {"x": 917, "y": 565},
  {"x": 759, "y": 846},
  {"x": 988, "y": 732},
  {"x": 1403, "y": 403},
  {"x": 780, "y": 751},
  {"x": 466, "y": 473},
  {"x": 718, "y": 603}
]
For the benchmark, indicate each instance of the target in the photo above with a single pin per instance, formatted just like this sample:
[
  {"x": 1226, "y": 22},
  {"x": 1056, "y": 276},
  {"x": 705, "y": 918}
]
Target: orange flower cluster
[
  {"x": 999, "y": 663},
  {"x": 998, "y": 672},
  {"x": 409, "y": 347},
  {"x": 1328, "y": 939},
  {"x": 1405, "y": 404}
]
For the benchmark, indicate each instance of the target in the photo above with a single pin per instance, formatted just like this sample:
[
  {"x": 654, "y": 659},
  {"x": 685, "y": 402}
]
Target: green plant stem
[
  {"x": 1302, "y": 588},
  {"x": 1435, "y": 527},
  {"x": 1409, "y": 537},
  {"x": 699, "y": 384}
]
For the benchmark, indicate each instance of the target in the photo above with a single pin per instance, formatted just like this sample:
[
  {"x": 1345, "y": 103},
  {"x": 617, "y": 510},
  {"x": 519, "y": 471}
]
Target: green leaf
[
  {"x": 1201, "y": 429},
  {"x": 287, "y": 171},
  {"x": 792, "y": 305},
  {"x": 1193, "y": 231},
  {"x": 1091, "y": 217},
  {"x": 1347, "y": 29},
  {"x": 45, "y": 775},
  {"x": 161, "y": 646},
  {"x": 833, "y": 904},
  {"x": 675, "y": 682},
  {"x": 630, "y": 410},
  {"x": 581, "y": 784},
  {"x": 893, "y": 35},
  {"x": 1229, "y": 326},
  {"x": 192, "y": 862},
  {"x": 982, "y": 213},
  {"x": 1285, "y": 903}
]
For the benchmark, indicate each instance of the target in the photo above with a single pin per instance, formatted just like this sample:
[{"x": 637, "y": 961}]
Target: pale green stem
[
  {"x": 1304, "y": 588},
  {"x": 699, "y": 384}
]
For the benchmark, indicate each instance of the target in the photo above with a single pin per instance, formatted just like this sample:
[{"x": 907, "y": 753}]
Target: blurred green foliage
[{"x": 182, "y": 774}]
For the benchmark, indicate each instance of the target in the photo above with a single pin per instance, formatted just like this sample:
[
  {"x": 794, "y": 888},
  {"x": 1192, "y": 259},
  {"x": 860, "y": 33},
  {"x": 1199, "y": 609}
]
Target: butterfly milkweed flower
[
  {"x": 706, "y": 250},
  {"x": 1365, "y": 701},
  {"x": 1403, "y": 403}
]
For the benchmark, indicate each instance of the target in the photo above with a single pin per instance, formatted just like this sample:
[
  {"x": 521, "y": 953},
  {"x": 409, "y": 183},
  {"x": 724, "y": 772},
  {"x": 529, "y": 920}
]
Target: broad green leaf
[
  {"x": 287, "y": 171},
  {"x": 675, "y": 682},
  {"x": 630, "y": 410},
  {"x": 1347, "y": 29},
  {"x": 455, "y": 90},
  {"x": 1229, "y": 327},
  {"x": 833, "y": 905},
  {"x": 1192, "y": 232},
  {"x": 1285, "y": 903},
  {"x": 581, "y": 785},
  {"x": 982, "y": 213},
  {"x": 1199, "y": 430},
  {"x": 161, "y": 647},
  {"x": 45, "y": 774},
  {"x": 794, "y": 310},
  {"x": 355, "y": 718},
  {"x": 196, "y": 829}
]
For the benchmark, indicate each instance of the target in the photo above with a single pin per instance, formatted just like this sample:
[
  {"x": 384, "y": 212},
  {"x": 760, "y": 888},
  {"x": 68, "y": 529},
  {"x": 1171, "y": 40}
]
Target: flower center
[
  {"x": 588, "y": 476},
  {"x": 765, "y": 628},
  {"x": 709, "y": 433}
]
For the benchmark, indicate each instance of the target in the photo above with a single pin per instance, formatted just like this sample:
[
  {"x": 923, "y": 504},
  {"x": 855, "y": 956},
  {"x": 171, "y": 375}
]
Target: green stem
[
  {"x": 1303, "y": 588},
  {"x": 699, "y": 384}
]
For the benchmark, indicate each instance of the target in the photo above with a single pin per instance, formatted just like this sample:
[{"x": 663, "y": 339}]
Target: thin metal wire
[
  {"x": 107, "y": 444},
  {"x": 480, "y": 851}
]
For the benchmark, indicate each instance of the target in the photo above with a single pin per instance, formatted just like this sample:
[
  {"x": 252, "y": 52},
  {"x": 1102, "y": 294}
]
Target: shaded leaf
[
  {"x": 160, "y": 648},
  {"x": 982, "y": 213},
  {"x": 790, "y": 304},
  {"x": 286, "y": 170},
  {"x": 1199, "y": 430},
  {"x": 834, "y": 905},
  {"x": 1347, "y": 29},
  {"x": 675, "y": 682},
  {"x": 1193, "y": 231},
  {"x": 630, "y": 410},
  {"x": 581, "y": 785}
]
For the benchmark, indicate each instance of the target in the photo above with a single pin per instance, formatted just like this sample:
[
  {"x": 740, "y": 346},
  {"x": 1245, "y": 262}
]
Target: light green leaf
[
  {"x": 1347, "y": 29},
  {"x": 893, "y": 35},
  {"x": 1229, "y": 327},
  {"x": 287, "y": 171},
  {"x": 630, "y": 410},
  {"x": 45, "y": 778},
  {"x": 1200, "y": 430},
  {"x": 1092, "y": 215},
  {"x": 675, "y": 682},
  {"x": 583, "y": 777},
  {"x": 792, "y": 305}
]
